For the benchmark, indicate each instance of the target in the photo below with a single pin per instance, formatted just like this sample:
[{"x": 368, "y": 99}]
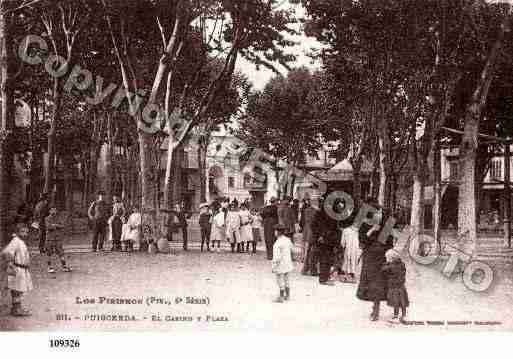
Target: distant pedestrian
[
  {"x": 270, "y": 219},
  {"x": 282, "y": 262},
  {"x": 352, "y": 254},
  {"x": 181, "y": 218},
  {"x": 310, "y": 256},
  {"x": 134, "y": 225},
  {"x": 55, "y": 232},
  {"x": 98, "y": 214},
  {"x": 397, "y": 296},
  {"x": 19, "y": 281},
  {"x": 205, "y": 226},
  {"x": 256, "y": 225},
  {"x": 246, "y": 231},
  {"x": 115, "y": 231},
  {"x": 41, "y": 211},
  {"x": 287, "y": 217},
  {"x": 326, "y": 235},
  {"x": 233, "y": 228},
  {"x": 218, "y": 228}
]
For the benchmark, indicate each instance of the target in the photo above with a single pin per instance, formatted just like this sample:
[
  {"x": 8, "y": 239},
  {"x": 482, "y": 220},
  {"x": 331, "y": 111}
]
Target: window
[
  {"x": 453, "y": 171},
  {"x": 496, "y": 170},
  {"x": 231, "y": 182},
  {"x": 248, "y": 180}
]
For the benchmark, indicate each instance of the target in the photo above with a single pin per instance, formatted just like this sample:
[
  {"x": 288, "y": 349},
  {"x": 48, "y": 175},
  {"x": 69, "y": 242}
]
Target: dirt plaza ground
[{"x": 187, "y": 291}]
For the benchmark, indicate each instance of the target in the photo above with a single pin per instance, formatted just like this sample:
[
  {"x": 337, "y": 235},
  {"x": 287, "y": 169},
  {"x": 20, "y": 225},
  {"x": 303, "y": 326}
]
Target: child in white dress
[
  {"x": 19, "y": 281},
  {"x": 282, "y": 262}
]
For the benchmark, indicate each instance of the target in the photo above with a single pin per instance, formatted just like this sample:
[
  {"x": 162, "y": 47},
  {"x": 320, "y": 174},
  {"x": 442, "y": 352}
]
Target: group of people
[
  {"x": 332, "y": 246},
  {"x": 225, "y": 221},
  {"x": 378, "y": 267}
]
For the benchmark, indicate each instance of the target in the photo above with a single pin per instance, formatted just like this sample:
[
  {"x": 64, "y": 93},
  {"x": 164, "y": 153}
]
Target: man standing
[
  {"x": 182, "y": 220},
  {"x": 307, "y": 217},
  {"x": 40, "y": 213},
  {"x": 98, "y": 214},
  {"x": 325, "y": 232},
  {"x": 287, "y": 218},
  {"x": 270, "y": 219},
  {"x": 55, "y": 228}
]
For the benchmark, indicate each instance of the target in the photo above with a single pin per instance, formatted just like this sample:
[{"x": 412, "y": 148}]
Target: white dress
[
  {"x": 352, "y": 251},
  {"x": 17, "y": 250},
  {"x": 282, "y": 255},
  {"x": 218, "y": 227},
  {"x": 134, "y": 227},
  {"x": 233, "y": 227},
  {"x": 246, "y": 232}
]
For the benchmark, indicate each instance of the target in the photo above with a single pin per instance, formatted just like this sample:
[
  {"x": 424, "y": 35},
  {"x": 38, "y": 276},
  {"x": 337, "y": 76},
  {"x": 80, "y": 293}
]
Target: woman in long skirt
[{"x": 372, "y": 285}]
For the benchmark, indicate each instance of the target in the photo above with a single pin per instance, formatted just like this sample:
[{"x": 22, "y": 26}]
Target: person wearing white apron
[
  {"x": 134, "y": 229},
  {"x": 218, "y": 229},
  {"x": 352, "y": 253},
  {"x": 246, "y": 232}
]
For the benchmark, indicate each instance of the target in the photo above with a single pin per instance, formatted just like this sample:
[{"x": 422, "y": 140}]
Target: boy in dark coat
[
  {"x": 204, "y": 223},
  {"x": 395, "y": 272},
  {"x": 326, "y": 235},
  {"x": 117, "y": 229}
]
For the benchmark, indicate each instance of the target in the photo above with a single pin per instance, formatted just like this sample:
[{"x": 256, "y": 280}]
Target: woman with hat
[{"x": 373, "y": 283}]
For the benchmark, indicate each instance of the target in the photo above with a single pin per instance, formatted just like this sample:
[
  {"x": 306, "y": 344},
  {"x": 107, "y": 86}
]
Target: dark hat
[{"x": 280, "y": 227}]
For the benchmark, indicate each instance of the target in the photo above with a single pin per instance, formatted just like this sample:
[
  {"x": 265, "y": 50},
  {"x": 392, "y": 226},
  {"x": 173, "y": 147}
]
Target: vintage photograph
[{"x": 255, "y": 165}]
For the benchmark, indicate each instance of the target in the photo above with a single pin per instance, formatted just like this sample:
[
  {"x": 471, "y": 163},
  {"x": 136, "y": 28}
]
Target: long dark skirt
[{"x": 373, "y": 283}]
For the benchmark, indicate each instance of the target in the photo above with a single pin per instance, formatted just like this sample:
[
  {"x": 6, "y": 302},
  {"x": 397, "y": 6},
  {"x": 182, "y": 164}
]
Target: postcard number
[{"x": 64, "y": 343}]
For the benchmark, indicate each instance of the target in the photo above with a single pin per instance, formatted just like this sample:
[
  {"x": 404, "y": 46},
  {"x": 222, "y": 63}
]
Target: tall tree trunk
[
  {"x": 149, "y": 176},
  {"x": 383, "y": 169},
  {"x": 357, "y": 183},
  {"x": 50, "y": 168},
  {"x": 168, "y": 179},
  {"x": 467, "y": 209},
  {"x": 68, "y": 163},
  {"x": 7, "y": 125},
  {"x": 437, "y": 188},
  {"x": 202, "y": 156},
  {"x": 417, "y": 202},
  {"x": 94, "y": 154},
  {"x": 177, "y": 174},
  {"x": 292, "y": 184},
  {"x": 109, "y": 173},
  {"x": 85, "y": 176}
]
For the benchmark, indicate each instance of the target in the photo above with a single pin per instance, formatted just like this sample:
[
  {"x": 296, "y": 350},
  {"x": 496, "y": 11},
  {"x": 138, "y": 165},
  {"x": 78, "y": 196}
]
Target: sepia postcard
[{"x": 300, "y": 166}]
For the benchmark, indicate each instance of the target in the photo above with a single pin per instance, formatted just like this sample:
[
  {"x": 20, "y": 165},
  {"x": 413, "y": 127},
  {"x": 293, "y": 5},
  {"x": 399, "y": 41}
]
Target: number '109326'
[{"x": 64, "y": 343}]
